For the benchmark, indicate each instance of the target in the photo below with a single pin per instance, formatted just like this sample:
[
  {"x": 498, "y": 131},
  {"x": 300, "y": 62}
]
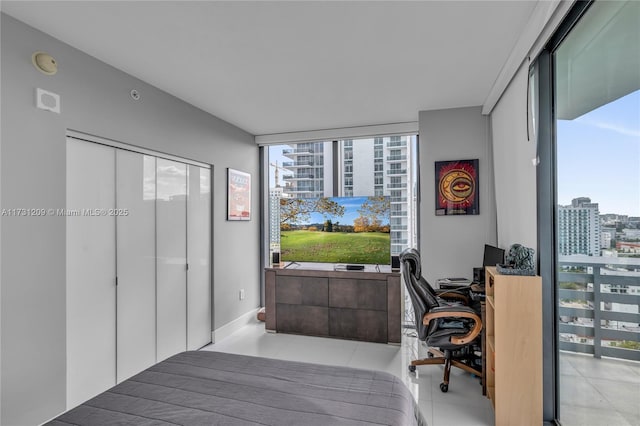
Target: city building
[
  {"x": 579, "y": 228},
  {"x": 366, "y": 167},
  {"x": 614, "y": 219},
  {"x": 605, "y": 239},
  {"x": 275, "y": 194},
  {"x": 631, "y": 234},
  {"x": 627, "y": 247},
  {"x": 308, "y": 166}
]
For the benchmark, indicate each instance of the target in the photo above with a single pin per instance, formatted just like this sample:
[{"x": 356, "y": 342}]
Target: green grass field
[{"x": 335, "y": 247}]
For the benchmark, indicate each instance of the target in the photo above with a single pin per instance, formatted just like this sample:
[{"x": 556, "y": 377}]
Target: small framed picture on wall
[
  {"x": 238, "y": 195},
  {"x": 457, "y": 189}
]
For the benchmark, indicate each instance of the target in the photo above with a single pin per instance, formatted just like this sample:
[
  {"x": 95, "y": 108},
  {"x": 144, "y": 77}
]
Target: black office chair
[{"x": 449, "y": 327}]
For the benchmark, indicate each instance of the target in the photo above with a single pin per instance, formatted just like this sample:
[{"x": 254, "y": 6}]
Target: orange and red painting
[{"x": 457, "y": 188}]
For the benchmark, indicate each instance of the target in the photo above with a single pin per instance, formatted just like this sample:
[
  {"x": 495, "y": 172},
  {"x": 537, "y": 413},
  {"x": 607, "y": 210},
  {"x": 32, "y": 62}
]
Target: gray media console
[{"x": 359, "y": 305}]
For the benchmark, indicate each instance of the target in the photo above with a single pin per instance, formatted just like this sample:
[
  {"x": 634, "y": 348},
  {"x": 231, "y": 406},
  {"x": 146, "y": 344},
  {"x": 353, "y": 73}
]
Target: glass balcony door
[{"x": 597, "y": 233}]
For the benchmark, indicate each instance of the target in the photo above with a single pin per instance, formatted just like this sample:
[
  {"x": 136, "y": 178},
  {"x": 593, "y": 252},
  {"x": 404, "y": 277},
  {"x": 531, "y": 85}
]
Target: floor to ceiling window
[
  {"x": 595, "y": 66},
  {"x": 366, "y": 167}
]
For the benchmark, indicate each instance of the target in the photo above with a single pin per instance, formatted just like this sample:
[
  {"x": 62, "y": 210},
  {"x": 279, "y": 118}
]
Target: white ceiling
[{"x": 274, "y": 67}]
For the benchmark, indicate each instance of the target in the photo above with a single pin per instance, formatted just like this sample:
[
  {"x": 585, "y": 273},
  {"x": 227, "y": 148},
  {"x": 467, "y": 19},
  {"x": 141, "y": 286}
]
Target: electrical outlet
[{"x": 242, "y": 294}]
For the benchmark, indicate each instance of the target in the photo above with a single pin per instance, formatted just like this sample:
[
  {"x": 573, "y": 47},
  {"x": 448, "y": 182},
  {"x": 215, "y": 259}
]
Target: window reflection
[
  {"x": 172, "y": 180},
  {"x": 149, "y": 178}
]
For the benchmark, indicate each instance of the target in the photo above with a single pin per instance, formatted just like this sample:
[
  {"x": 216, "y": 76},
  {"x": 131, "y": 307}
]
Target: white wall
[
  {"x": 454, "y": 245},
  {"x": 95, "y": 100},
  {"x": 515, "y": 173}
]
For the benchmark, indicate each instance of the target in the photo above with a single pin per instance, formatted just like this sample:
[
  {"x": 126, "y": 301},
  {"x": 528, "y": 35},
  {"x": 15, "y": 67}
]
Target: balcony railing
[
  {"x": 404, "y": 241},
  {"x": 297, "y": 151},
  {"x": 396, "y": 143},
  {"x": 396, "y": 185},
  {"x": 294, "y": 164},
  {"x": 398, "y": 199},
  {"x": 397, "y": 172},
  {"x": 298, "y": 177},
  {"x": 300, "y": 191},
  {"x": 398, "y": 213},
  {"x": 599, "y": 305},
  {"x": 396, "y": 157}
]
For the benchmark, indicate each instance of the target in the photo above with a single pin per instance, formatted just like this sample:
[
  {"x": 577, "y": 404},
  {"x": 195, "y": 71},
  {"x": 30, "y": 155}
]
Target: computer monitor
[{"x": 492, "y": 255}]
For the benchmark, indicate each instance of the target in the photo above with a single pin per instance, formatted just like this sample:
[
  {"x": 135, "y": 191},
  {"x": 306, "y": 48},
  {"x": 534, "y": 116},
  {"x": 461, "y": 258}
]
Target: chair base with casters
[
  {"x": 437, "y": 357},
  {"x": 456, "y": 349}
]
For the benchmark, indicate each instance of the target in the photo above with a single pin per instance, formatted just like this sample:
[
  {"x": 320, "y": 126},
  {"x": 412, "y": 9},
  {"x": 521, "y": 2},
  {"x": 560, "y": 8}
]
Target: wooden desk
[{"x": 359, "y": 305}]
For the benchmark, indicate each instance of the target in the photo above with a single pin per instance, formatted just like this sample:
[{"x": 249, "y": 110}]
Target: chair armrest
[
  {"x": 453, "y": 294},
  {"x": 453, "y": 310},
  {"x": 460, "y": 312}
]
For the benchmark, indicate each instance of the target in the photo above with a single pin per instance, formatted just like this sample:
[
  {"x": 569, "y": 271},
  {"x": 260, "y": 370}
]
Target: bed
[{"x": 215, "y": 388}]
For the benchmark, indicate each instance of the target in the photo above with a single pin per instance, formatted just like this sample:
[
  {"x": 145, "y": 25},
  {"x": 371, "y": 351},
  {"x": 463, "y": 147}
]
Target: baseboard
[{"x": 233, "y": 326}]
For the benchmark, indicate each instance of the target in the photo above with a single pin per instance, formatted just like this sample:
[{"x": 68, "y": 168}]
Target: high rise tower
[{"x": 579, "y": 228}]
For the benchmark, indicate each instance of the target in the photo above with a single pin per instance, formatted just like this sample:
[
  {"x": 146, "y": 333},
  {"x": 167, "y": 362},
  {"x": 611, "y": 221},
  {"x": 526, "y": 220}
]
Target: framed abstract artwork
[
  {"x": 457, "y": 189},
  {"x": 238, "y": 195}
]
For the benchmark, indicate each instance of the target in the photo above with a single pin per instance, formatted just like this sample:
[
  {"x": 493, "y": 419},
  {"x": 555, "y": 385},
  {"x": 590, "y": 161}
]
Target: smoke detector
[{"x": 44, "y": 63}]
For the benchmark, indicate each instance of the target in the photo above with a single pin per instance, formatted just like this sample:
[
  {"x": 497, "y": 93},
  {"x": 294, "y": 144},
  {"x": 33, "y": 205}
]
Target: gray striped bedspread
[{"x": 215, "y": 388}]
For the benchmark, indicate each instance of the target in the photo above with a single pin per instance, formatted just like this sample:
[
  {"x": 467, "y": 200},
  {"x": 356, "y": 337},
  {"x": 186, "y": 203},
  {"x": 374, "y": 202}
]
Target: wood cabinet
[
  {"x": 344, "y": 304},
  {"x": 513, "y": 347}
]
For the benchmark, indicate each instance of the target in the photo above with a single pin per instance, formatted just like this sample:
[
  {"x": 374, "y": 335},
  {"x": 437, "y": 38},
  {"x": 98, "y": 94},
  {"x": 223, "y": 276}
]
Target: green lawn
[{"x": 335, "y": 247}]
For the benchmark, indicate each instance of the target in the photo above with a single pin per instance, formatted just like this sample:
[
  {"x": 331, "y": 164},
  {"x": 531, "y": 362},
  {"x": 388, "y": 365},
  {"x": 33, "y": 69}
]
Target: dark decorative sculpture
[{"x": 520, "y": 260}]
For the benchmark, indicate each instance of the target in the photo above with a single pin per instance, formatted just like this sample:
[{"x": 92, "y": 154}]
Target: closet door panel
[
  {"x": 171, "y": 249},
  {"x": 91, "y": 271},
  {"x": 136, "y": 262},
  {"x": 199, "y": 258}
]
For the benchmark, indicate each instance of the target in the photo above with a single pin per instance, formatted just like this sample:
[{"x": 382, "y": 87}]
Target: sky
[
  {"x": 351, "y": 206},
  {"x": 276, "y": 157},
  {"x": 598, "y": 157}
]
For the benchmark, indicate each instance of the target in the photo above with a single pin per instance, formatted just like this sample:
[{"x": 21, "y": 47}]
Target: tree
[
  {"x": 295, "y": 210},
  {"x": 328, "y": 226},
  {"x": 361, "y": 224},
  {"x": 373, "y": 212}
]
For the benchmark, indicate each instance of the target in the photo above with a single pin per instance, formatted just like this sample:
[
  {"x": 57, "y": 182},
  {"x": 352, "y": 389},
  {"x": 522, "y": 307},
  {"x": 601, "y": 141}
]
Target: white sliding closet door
[
  {"x": 171, "y": 250},
  {"x": 199, "y": 257},
  {"x": 91, "y": 271},
  {"x": 136, "y": 262}
]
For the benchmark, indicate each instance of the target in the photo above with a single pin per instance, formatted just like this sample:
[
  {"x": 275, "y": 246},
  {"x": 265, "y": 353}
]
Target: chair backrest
[{"x": 423, "y": 296}]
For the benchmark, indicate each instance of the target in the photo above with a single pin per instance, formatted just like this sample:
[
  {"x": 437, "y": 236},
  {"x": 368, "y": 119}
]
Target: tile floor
[
  {"x": 464, "y": 404},
  {"x": 598, "y": 392},
  {"x": 593, "y": 392}
]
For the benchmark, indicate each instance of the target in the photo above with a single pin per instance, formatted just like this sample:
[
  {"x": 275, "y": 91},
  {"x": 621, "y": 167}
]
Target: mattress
[{"x": 215, "y": 388}]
